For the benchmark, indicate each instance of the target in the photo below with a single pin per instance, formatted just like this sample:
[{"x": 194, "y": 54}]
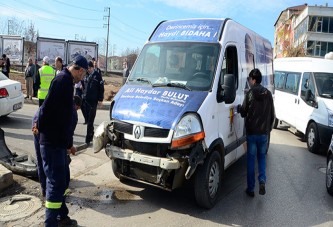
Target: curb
[{"x": 105, "y": 105}]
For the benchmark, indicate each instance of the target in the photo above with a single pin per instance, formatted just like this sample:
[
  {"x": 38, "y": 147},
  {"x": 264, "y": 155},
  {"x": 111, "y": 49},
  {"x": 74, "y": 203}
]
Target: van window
[
  {"x": 167, "y": 64},
  {"x": 287, "y": 81},
  {"x": 307, "y": 84},
  {"x": 324, "y": 82},
  {"x": 292, "y": 82},
  {"x": 279, "y": 78},
  {"x": 230, "y": 64}
]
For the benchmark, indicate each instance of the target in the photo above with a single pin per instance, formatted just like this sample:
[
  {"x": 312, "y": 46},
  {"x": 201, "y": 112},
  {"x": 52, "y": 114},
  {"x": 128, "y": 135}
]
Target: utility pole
[
  {"x": 9, "y": 25},
  {"x": 107, "y": 9}
]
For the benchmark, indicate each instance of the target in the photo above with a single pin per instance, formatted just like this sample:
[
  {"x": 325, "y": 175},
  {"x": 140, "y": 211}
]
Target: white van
[
  {"x": 304, "y": 98},
  {"x": 174, "y": 120}
]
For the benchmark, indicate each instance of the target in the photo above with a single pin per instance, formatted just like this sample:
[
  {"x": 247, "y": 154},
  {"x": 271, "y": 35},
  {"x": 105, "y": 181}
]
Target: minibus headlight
[
  {"x": 187, "y": 131},
  {"x": 330, "y": 118}
]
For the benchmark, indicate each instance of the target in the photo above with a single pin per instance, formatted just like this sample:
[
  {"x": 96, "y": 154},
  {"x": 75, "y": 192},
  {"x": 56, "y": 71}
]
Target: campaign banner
[
  {"x": 157, "y": 106},
  {"x": 86, "y": 49},
  {"x": 13, "y": 48},
  {"x": 51, "y": 48},
  {"x": 201, "y": 30}
]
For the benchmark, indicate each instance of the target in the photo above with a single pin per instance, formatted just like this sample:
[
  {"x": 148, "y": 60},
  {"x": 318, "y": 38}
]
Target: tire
[
  {"x": 312, "y": 138},
  {"x": 208, "y": 181},
  {"x": 329, "y": 175}
]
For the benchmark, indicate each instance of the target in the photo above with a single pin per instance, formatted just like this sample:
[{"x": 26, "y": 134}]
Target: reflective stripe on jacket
[{"x": 46, "y": 73}]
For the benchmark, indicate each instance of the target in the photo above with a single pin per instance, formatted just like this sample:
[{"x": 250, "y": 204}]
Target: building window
[
  {"x": 325, "y": 24},
  {"x": 312, "y": 23},
  {"x": 310, "y": 47},
  {"x": 330, "y": 25}
]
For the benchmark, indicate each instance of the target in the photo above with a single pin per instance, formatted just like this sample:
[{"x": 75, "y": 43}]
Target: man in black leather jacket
[{"x": 258, "y": 110}]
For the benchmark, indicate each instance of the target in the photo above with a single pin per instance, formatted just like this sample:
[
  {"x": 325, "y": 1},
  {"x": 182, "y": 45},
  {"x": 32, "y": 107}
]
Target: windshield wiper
[
  {"x": 141, "y": 79},
  {"x": 178, "y": 85}
]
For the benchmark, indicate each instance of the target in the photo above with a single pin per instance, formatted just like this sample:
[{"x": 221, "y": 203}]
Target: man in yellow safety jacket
[{"x": 44, "y": 78}]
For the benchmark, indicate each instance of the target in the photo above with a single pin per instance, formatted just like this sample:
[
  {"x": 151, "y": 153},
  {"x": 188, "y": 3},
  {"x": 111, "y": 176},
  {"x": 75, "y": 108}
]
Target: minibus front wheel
[
  {"x": 312, "y": 138},
  {"x": 208, "y": 180}
]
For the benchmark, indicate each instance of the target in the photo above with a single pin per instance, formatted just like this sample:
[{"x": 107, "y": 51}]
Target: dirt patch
[{"x": 112, "y": 84}]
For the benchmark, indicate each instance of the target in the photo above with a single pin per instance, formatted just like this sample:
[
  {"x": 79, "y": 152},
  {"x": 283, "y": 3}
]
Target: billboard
[
  {"x": 12, "y": 46},
  {"x": 51, "y": 48},
  {"x": 86, "y": 49}
]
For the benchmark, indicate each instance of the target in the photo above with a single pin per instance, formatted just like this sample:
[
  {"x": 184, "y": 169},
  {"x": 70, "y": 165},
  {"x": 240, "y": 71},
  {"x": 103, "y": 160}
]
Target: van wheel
[
  {"x": 208, "y": 181},
  {"x": 312, "y": 138},
  {"x": 329, "y": 175},
  {"x": 276, "y": 123}
]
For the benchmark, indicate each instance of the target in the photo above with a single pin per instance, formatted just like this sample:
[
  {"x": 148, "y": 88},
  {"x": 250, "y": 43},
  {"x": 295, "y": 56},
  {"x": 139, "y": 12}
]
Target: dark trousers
[
  {"x": 35, "y": 88},
  {"x": 90, "y": 110},
  {"x": 56, "y": 169},
  {"x": 41, "y": 174},
  {"x": 40, "y": 102},
  {"x": 84, "y": 109}
]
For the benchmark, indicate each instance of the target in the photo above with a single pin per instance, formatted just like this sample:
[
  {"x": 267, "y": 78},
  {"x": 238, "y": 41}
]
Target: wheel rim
[
  {"x": 214, "y": 179},
  {"x": 329, "y": 174},
  {"x": 311, "y": 137}
]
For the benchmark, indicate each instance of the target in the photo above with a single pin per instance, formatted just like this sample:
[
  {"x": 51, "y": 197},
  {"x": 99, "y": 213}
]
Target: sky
[{"x": 133, "y": 21}]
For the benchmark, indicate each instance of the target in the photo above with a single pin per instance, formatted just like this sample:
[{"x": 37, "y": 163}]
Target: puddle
[{"x": 100, "y": 195}]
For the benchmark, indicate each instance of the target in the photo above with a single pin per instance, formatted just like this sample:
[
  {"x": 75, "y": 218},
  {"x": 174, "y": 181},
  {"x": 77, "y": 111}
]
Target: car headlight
[
  {"x": 187, "y": 131},
  {"x": 330, "y": 118}
]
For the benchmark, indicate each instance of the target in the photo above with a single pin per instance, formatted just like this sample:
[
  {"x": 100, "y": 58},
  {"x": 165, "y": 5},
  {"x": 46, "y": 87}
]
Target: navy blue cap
[{"x": 81, "y": 61}]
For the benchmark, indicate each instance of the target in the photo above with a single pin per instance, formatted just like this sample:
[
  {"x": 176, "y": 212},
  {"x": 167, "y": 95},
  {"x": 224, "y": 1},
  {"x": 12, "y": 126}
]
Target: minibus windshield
[
  {"x": 184, "y": 65},
  {"x": 324, "y": 83}
]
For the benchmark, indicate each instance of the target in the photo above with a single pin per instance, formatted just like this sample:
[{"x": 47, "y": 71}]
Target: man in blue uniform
[
  {"x": 93, "y": 94},
  {"x": 55, "y": 118}
]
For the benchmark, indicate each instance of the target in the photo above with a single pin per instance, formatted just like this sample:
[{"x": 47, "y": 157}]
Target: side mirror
[{"x": 229, "y": 88}]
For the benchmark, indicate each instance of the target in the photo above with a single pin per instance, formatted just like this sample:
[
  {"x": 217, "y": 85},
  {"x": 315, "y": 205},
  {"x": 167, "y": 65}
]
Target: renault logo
[{"x": 137, "y": 132}]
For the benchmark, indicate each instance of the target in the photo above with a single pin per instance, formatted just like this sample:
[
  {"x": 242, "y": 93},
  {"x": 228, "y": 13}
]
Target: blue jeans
[{"x": 256, "y": 146}]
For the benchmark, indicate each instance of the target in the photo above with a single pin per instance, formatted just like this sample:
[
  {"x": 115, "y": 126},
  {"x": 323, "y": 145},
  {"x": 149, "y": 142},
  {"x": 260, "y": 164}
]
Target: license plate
[{"x": 17, "y": 106}]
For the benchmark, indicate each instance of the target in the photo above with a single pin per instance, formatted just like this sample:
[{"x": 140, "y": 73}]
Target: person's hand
[
  {"x": 72, "y": 150},
  {"x": 34, "y": 129}
]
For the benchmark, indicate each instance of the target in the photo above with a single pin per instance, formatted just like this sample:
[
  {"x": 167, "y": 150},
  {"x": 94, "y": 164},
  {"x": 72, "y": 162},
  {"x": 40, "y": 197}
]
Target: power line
[
  {"x": 76, "y": 6},
  {"x": 63, "y": 15},
  {"x": 50, "y": 20}
]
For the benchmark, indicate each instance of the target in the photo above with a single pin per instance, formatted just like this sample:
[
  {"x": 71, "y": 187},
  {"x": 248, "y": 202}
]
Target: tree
[{"x": 30, "y": 33}]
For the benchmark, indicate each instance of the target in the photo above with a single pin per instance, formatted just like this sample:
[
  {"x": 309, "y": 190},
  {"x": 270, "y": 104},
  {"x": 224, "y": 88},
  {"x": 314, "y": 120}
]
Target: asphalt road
[{"x": 296, "y": 193}]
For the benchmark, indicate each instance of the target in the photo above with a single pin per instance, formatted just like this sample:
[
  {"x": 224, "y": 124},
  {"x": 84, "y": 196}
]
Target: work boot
[
  {"x": 67, "y": 222},
  {"x": 262, "y": 189},
  {"x": 249, "y": 193}
]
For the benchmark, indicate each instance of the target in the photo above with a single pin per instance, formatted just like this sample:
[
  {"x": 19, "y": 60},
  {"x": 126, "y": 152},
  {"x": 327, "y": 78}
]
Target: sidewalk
[
  {"x": 91, "y": 190},
  {"x": 89, "y": 173}
]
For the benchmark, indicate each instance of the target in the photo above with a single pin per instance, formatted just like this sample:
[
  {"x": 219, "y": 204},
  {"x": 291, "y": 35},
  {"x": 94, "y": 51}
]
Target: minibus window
[
  {"x": 307, "y": 85},
  {"x": 324, "y": 82},
  {"x": 173, "y": 63},
  {"x": 292, "y": 82}
]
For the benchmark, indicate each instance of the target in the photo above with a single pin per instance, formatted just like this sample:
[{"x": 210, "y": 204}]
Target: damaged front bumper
[
  {"x": 22, "y": 165},
  {"x": 114, "y": 152}
]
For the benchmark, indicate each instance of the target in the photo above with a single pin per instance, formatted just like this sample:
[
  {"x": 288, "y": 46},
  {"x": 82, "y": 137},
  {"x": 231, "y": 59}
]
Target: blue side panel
[
  {"x": 157, "y": 106},
  {"x": 200, "y": 30}
]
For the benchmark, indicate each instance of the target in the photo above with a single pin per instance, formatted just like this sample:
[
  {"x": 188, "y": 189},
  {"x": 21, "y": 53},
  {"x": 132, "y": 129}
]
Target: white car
[{"x": 11, "y": 96}]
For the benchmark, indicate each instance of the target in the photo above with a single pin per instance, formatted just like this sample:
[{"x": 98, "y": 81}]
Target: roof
[{"x": 294, "y": 9}]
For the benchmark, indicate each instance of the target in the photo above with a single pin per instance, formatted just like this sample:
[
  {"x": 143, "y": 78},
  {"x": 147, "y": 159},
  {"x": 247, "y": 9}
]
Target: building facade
[{"x": 304, "y": 31}]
